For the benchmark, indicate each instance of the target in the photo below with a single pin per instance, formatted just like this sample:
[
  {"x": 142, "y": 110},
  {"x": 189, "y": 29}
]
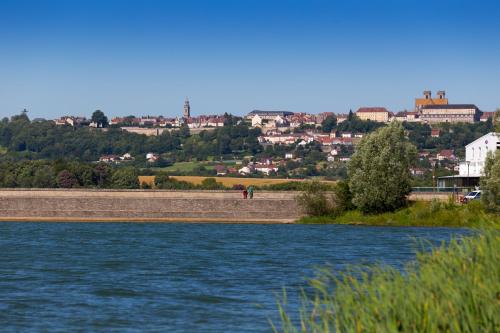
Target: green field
[
  {"x": 184, "y": 167},
  {"x": 187, "y": 166}
]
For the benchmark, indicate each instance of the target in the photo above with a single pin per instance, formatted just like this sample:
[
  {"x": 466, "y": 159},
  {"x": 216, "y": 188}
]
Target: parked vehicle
[{"x": 474, "y": 195}]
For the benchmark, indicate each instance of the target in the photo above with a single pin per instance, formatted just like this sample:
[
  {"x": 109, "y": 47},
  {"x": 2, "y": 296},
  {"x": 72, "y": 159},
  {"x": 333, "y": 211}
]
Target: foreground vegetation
[
  {"x": 453, "y": 288},
  {"x": 420, "y": 213}
]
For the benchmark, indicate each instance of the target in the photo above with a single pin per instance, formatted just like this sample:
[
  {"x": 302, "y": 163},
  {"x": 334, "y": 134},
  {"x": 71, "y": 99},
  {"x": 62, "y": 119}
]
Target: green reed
[
  {"x": 453, "y": 288},
  {"x": 432, "y": 213}
]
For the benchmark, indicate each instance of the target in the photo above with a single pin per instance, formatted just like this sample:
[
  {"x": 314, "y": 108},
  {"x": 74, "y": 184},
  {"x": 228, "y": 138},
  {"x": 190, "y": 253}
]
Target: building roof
[
  {"x": 270, "y": 113},
  {"x": 372, "y": 109},
  {"x": 487, "y": 114},
  {"x": 492, "y": 135},
  {"x": 421, "y": 102},
  {"x": 457, "y": 177},
  {"x": 450, "y": 106},
  {"x": 446, "y": 152}
]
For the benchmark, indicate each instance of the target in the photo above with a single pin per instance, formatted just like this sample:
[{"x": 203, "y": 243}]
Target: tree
[
  {"x": 496, "y": 120},
  {"x": 379, "y": 171},
  {"x": 23, "y": 116},
  {"x": 99, "y": 118},
  {"x": 126, "y": 178},
  {"x": 102, "y": 173},
  {"x": 350, "y": 116},
  {"x": 490, "y": 183},
  {"x": 44, "y": 177},
  {"x": 184, "y": 131},
  {"x": 66, "y": 179},
  {"x": 230, "y": 120},
  {"x": 329, "y": 123}
]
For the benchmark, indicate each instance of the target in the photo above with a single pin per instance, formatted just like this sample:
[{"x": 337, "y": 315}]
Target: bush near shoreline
[{"x": 433, "y": 213}]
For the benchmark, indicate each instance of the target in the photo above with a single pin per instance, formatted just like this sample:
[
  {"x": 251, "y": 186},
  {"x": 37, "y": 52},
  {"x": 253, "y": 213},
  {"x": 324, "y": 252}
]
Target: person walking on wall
[
  {"x": 250, "y": 192},
  {"x": 245, "y": 193}
]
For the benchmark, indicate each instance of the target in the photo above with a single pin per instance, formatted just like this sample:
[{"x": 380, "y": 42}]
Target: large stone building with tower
[
  {"x": 439, "y": 110},
  {"x": 428, "y": 100}
]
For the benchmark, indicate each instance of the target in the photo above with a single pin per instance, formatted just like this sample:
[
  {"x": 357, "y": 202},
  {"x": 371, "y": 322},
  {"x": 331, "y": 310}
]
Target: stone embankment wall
[
  {"x": 429, "y": 196},
  {"x": 146, "y": 205}
]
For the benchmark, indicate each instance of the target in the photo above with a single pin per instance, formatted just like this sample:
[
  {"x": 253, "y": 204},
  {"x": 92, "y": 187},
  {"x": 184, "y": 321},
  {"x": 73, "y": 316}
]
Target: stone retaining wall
[
  {"x": 429, "y": 196},
  {"x": 145, "y": 205}
]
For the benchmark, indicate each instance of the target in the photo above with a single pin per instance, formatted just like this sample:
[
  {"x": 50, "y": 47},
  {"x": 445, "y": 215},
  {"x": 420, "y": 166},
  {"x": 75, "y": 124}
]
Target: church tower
[{"x": 187, "y": 109}]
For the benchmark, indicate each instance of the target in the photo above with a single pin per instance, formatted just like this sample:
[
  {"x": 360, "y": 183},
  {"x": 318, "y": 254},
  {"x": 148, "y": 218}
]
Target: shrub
[
  {"x": 66, "y": 179},
  {"x": 490, "y": 183},
  {"x": 319, "y": 199},
  {"x": 211, "y": 184},
  {"x": 164, "y": 182},
  {"x": 343, "y": 197},
  {"x": 314, "y": 201}
]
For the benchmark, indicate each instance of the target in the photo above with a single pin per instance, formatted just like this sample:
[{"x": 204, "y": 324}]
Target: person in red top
[{"x": 245, "y": 193}]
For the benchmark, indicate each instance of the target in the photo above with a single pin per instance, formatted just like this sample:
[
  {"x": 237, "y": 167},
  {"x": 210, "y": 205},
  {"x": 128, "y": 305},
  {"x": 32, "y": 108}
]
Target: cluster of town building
[
  {"x": 280, "y": 127},
  {"x": 427, "y": 109}
]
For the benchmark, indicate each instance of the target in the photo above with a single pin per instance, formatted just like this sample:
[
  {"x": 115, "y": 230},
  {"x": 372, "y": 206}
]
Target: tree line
[{"x": 22, "y": 139}]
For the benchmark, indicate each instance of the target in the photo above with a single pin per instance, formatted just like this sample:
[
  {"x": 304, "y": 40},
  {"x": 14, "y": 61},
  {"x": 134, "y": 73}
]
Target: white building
[
  {"x": 476, "y": 153},
  {"x": 256, "y": 121}
]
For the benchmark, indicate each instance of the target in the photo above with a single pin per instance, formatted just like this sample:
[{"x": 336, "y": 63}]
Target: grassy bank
[
  {"x": 455, "y": 288},
  {"x": 416, "y": 214}
]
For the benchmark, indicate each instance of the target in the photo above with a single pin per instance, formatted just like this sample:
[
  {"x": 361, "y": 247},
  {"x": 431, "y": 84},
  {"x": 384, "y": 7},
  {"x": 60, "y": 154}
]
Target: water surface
[{"x": 135, "y": 277}]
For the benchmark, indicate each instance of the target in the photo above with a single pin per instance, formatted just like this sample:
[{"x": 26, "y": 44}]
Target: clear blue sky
[{"x": 145, "y": 57}]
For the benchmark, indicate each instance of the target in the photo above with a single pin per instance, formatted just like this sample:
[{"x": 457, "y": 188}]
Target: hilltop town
[{"x": 262, "y": 143}]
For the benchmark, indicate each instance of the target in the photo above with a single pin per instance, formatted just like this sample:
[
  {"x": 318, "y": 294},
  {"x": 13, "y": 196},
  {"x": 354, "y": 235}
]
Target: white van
[{"x": 474, "y": 195}]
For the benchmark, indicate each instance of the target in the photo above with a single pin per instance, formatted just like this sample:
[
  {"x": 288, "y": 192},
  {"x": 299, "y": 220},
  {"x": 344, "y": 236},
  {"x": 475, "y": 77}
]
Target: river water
[{"x": 134, "y": 277}]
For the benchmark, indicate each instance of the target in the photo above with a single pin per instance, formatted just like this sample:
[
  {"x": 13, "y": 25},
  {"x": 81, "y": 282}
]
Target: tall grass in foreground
[{"x": 454, "y": 288}]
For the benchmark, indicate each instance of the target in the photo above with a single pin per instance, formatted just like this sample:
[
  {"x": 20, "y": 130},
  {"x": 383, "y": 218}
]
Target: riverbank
[
  {"x": 86, "y": 205},
  {"x": 431, "y": 214}
]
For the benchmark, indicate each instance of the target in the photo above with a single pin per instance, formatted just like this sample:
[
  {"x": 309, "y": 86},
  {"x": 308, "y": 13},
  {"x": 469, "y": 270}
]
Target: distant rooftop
[
  {"x": 270, "y": 113},
  {"x": 372, "y": 109},
  {"x": 450, "y": 106}
]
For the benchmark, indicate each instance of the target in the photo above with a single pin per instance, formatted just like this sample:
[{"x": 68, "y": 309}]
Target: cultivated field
[{"x": 230, "y": 181}]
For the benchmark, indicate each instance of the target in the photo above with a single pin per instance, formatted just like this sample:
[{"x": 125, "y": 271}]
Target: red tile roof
[
  {"x": 446, "y": 152},
  {"x": 372, "y": 109}
]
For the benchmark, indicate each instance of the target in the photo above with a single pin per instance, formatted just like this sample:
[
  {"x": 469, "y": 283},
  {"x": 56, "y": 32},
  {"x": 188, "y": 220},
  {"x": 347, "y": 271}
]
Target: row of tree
[
  {"x": 452, "y": 135},
  {"x": 65, "y": 174},
  {"x": 23, "y": 139}
]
